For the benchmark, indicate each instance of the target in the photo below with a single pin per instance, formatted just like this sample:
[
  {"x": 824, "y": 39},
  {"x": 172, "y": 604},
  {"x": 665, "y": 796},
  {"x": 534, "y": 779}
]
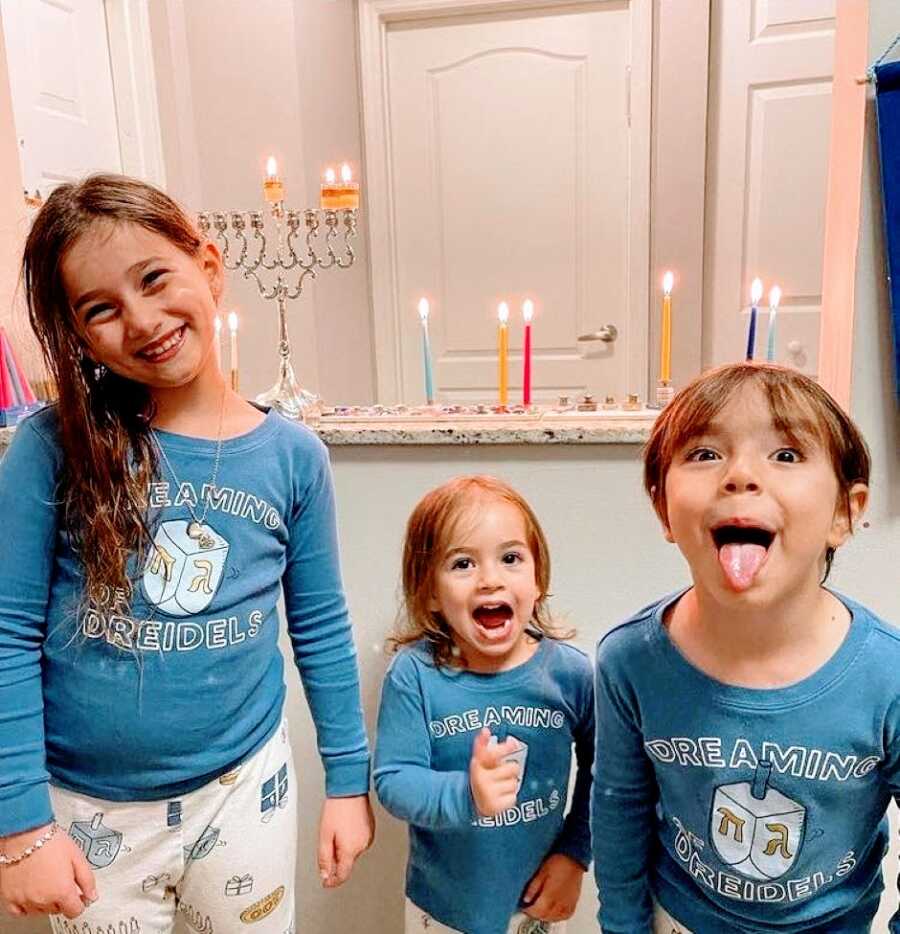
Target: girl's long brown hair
[
  {"x": 428, "y": 533},
  {"x": 104, "y": 420}
]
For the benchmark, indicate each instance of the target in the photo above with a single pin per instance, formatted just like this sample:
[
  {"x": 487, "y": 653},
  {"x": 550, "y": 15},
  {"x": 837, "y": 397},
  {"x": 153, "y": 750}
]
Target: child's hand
[
  {"x": 346, "y": 829},
  {"x": 56, "y": 879},
  {"x": 553, "y": 891},
  {"x": 494, "y": 783}
]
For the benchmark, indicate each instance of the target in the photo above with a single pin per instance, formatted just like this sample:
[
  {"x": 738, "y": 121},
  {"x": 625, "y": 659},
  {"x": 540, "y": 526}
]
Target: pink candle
[{"x": 527, "y": 314}]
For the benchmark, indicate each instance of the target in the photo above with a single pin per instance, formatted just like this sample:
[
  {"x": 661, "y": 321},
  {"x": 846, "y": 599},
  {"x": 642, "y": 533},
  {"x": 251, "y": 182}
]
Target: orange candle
[
  {"x": 665, "y": 343},
  {"x": 503, "y": 352},
  {"x": 273, "y": 189}
]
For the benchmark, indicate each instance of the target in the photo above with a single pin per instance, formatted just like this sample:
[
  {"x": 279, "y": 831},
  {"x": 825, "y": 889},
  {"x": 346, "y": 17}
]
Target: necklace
[{"x": 195, "y": 529}]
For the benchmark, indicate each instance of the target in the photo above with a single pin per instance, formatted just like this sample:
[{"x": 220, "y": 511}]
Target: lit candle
[
  {"x": 774, "y": 299},
  {"x": 218, "y": 342},
  {"x": 503, "y": 351},
  {"x": 273, "y": 189},
  {"x": 426, "y": 351},
  {"x": 665, "y": 342},
  {"x": 330, "y": 194},
  {"x": 756, "y": 291},
  {"x": 527, "y": 315},
  {"x": 350, "y": 189},
  {"x": 233, "y": 349}
]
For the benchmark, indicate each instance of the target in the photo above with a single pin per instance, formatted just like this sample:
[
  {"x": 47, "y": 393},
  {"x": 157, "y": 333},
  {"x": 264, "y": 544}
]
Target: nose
[
  {"x": 741, "y": 476},
  {"x": 141, "y": 319},
  {"x": 489, "y": 578}
]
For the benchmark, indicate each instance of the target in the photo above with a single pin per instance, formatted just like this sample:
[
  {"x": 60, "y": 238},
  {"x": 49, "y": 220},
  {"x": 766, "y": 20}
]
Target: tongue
[
  {"x": 492, "y": 619},
  {"x": 740, "y": 564}
]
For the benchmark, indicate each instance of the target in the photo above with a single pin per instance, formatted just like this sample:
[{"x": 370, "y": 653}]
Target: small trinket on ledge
[{"x": 632, "y": 403}]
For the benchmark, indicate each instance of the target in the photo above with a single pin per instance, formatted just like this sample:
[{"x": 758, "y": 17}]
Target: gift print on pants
[
  {"x": 239, "y": 885},
  {"x": 274, "y": 794},
  {"x": 756, "y": 829},
  {"x": 182, "y": 572},
  {"x": 98, "y": 842}
]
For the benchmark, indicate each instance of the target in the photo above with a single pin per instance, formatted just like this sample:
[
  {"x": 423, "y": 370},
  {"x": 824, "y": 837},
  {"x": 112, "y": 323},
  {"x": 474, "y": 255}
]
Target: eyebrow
[
  {"x": 463, "y": 550},
  {"x": 136, "y": 270}
]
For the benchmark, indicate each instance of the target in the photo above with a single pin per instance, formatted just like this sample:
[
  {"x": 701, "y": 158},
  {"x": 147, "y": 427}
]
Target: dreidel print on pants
[{"x": 99, "y": 843}]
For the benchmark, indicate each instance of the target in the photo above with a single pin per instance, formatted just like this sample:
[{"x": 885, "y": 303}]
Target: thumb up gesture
[{"x": 494, "y": 782}]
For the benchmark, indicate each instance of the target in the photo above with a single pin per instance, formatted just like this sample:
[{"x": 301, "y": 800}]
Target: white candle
[
  {"x": 217, "y": 349},
  {"x": 774, "y": 299},
  {"x": 233, "y": 349}
]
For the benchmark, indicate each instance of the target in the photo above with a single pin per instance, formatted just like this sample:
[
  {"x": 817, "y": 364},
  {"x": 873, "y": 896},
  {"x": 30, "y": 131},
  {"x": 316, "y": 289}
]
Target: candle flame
[
  {"x": 756, "y": 291},
  {"x": 503, "y": 312},
  {"x": 668, "y": 282},
  {"x": 232, "y": 321},
  {"x": 528, "y": 310},
  {"x": 271, "y": 168},
  {"x": 346, "y": 174},
  {"x": 330, "y": 176},
  {"x": 424, "y": 309},
  {"x": 774, "y": 296}
]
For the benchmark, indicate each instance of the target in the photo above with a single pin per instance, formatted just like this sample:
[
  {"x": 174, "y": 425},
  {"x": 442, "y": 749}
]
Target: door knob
[{"x": 607, "y": 333}]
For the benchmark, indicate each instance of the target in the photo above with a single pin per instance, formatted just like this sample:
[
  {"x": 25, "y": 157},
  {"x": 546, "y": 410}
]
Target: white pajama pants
[
  {"x": 420, "y": 922},
  {"x": 216, "y": 860}
]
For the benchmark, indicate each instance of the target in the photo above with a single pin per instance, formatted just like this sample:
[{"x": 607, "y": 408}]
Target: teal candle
[
  {"x": 774, "y": 299},
  {"x": 426, "y": 351}
]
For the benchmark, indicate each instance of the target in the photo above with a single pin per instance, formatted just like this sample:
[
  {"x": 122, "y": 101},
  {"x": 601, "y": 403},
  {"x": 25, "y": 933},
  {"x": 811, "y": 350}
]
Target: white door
[
  {"x": 62, "y": 89},
  {"x": 770, "y": 108},
  {"x": 515, "y": 172}
]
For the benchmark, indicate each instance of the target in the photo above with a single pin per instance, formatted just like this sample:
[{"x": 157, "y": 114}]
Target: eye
[
  {"x": 461, "y": 564},
  {"x": 98, "y": 311},
  {"x": 787, "y": 456},
  {"x": 699, "y": 455},
  {"x": 513, "y": 557},
  {"x": 152, "y": 277}
]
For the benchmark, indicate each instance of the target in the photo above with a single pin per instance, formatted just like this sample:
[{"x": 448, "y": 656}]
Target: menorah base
[{"x": 289, "y": 399}]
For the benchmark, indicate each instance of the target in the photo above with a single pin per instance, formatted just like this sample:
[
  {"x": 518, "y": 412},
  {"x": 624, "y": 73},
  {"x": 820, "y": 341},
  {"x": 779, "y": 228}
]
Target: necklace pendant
[{"x": 195, "y": 530}]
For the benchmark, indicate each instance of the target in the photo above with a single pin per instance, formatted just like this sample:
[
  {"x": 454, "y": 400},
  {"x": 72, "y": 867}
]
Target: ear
[
  {"x": 842, "y": 524},
  {"x": 210, "y": 260}
]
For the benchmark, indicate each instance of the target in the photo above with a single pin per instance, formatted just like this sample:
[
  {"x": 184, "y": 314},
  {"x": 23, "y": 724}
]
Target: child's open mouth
[
  {"x": 163, "y": 350},
  {"x": 493, "y": 619},
  {"x": 742, "y": 550}
]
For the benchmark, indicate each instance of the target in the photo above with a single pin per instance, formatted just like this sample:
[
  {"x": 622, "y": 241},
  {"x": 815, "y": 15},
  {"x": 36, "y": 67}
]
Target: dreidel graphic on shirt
[
  {"x": 182, "y": 574},
  {"x": 99, "y": 843},
  {"x": 519, "y": 755},
  {"x": 756, "y": 829}
]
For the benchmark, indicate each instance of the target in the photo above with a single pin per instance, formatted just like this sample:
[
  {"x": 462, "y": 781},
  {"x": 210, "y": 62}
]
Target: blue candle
[
  {"x": 755, "y": 295},
  {"x": 774, "y": 299},
  {"x": 426, "y": 351}
]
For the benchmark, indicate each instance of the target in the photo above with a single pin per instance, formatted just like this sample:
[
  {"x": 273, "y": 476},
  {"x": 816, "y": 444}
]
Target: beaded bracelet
[{"x": 41, "y": 840}]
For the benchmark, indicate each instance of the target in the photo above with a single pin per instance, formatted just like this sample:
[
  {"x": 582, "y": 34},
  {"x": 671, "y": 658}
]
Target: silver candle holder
[{"x": 304, "y": 243}]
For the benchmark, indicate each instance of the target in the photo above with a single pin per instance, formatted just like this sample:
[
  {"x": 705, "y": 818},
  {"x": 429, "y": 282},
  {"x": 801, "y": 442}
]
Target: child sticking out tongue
[{"x": 740, "y": 561}]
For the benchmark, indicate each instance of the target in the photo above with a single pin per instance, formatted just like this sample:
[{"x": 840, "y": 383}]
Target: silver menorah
[{"x": 280, "y": 274}]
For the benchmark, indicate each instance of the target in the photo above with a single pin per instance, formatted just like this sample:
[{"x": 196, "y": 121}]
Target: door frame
[
  {"x": 134, "y": 81},
  {"x": 375, "y": 16}
]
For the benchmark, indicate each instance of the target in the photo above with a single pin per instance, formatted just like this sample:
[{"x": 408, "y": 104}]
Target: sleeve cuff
[
  {"x": 347, "y": 779},
  {"x": 26, "y": 810}
]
